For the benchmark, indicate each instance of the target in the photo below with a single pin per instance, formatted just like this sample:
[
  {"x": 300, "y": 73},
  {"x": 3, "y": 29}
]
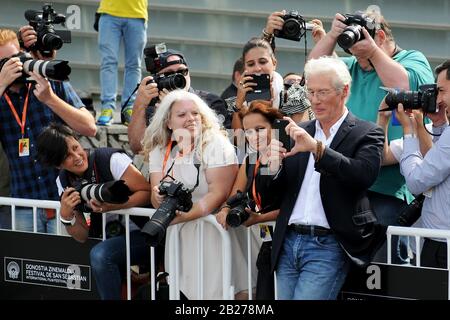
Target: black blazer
[{"x": 348, "y": 168}]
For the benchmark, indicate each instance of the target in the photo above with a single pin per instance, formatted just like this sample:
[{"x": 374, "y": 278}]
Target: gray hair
[
  {"x": 158, "y": 134},
  {"x": 334, "y": 67}
]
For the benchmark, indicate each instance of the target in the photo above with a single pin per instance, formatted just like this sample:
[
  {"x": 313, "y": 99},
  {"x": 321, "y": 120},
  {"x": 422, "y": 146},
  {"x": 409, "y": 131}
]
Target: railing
[
  {"x": 419, "y": 233},
  {"x": 173, "y": 247}
]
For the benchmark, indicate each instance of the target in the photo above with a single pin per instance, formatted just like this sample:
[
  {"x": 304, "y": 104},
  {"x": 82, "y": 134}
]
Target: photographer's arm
[
  {"x": 220, "y": 181},
  {"x": 69, "y": 200},
  {"x": 139, "y": 187},
  {"x": 239, "y": 185},
  {"x": 81, "y": 120},
  {"x": 137, "y": 125},
  {"x": 391, "y": 73},
  {"x": 11, "y": 70},
  {"x": 325, "y": 47}
]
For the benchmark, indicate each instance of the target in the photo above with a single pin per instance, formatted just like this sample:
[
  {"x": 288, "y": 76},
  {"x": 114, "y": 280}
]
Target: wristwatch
[
  {"x": 70, "y": 222},
  {"x": 408, "y": 135}
]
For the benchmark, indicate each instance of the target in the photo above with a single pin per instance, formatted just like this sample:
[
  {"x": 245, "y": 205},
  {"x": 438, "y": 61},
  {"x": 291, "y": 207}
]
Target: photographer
[
  {"x": 430, "y": 174},
  {"x": 259, "y": 59},
  {"x": 25, "y": 109},
  {"x": 148, "y": 96},
  {"x": 377, "y": 61},
  {"x": 257, "y": 121},
  {"x": 58, "y": 147},
  {"x": 184, "y": 141}
]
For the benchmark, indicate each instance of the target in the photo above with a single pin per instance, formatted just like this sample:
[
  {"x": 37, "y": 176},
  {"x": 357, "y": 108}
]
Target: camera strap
[{"x": 170, "y": 146}]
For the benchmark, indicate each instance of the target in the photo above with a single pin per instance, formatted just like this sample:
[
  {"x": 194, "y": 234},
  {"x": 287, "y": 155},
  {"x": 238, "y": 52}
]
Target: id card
[
  {"x": 24, "y": 147},
  {"x": 264, "y": 232}
]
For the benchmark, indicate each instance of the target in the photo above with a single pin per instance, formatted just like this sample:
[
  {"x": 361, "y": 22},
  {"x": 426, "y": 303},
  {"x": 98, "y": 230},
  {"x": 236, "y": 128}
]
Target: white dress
[{"x": 217, "y": 153}]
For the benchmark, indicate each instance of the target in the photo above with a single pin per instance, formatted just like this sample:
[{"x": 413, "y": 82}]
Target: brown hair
[
  {"x": 382, "y": 23},
  {"x": 257, "y": 43},
  {"x": 263, "y": 108},
  {"x": 7, "y": 36}
]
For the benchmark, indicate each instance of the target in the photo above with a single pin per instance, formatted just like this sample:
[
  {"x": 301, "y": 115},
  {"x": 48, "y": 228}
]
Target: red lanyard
[
  {"x": 166, "y": 156},
  {"x": 24, "y": 112},
  {"x": 255, "y": 194}
]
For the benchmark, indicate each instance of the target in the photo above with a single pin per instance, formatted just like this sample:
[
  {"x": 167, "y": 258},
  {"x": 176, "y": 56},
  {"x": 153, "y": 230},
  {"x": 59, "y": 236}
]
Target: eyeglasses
[
  {"x": 320, "y": 94},
  {"x": 184, "y": 72}
]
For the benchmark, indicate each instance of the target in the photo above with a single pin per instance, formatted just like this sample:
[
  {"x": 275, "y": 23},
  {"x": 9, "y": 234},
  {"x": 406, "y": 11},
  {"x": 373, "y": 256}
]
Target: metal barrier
[
  {"x": 228, "y": 289},
  {"x": 419, "y": 233}
]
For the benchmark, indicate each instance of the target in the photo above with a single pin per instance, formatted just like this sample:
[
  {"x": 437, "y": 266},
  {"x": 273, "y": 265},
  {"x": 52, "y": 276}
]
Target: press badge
[{"x": 24, "y": 147}]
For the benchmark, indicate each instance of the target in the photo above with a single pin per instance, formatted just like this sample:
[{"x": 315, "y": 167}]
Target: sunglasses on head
[{"x": 184, "y": 72}]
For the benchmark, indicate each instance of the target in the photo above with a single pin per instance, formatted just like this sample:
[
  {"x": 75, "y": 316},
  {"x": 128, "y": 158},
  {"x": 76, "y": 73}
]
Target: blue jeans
[
  {"x": 133, "y": 33},
  {"x": 24, "y": 220},
  {"x": 108, "y": 262},
  {"x": 311, "y": 268},
  {"x": 387, "y": 210}
]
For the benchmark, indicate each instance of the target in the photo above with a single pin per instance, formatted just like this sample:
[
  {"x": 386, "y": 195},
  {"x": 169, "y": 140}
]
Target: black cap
[{"x": 171, "y": 52}]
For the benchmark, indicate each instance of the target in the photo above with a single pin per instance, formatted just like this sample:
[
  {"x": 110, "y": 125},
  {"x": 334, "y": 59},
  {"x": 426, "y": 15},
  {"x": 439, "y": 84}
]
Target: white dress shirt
[{"x": 308, "y": 208}]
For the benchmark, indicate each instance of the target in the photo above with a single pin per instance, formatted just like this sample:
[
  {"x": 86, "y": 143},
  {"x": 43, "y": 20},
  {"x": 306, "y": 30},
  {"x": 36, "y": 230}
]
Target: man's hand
[
  {"x": 439, "y": 118},
  {"x": 11, "y": 70},
  {"x": 338, "y": 26},
  {"x": 406, "y": 119},
  {"x": 146, "y": 92},
  {"x": 318, "y": 32},
  {"x": 275, "y": 22},
  {"x": 303, "y": 141},
  {"x": 366, "y": 48},
  {"x": 42, "y": 89},
  {"x": 28, "y": 35}
]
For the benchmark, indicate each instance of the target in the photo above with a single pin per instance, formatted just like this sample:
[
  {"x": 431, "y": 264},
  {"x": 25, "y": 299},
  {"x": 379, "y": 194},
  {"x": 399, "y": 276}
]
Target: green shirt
[{"x": 364, "y": 101}]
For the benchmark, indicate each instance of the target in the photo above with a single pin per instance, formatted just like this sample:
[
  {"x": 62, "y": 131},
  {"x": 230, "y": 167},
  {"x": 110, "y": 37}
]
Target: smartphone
[
  {"x": 262, "y": 89},
  {"x": 279, "y": 125}
]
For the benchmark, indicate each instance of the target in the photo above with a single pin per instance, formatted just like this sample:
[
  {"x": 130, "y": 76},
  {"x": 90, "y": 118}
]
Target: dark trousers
[
  {"x": 265, "y": 289},
  {"x": 434, "y": 254}
]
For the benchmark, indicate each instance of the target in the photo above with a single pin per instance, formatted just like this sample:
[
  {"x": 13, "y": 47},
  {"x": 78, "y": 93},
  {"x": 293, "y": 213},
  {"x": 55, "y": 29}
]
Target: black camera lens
[
  {"x": 349, "y": 36},
  {"x": 291, "y": 28},
  {"x": 409, "y": 99},
  {"x": 51, "y": 41},
  {"x": 237, "y": 216}
]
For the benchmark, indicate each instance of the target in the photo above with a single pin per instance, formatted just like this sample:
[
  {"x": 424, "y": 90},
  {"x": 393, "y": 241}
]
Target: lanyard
[
  {"x": 24, "y": 111},
  {"x": 166, "y": 156},
  {"x": 255, "y": 194}
]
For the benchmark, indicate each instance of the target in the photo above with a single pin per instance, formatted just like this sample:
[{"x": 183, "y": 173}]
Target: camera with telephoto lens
[
  {"x": 412, "y": 212},
  {"x": 112, "y": 192},
  {"x": 237, "y": 214},
  {"x": 171, "y": 82},
  {"x": 58, "y": 70},
  {"x": 424, "y": 99},
  {"x": 48, "y": 39},
  {"x": 178, "y": 197},
  {"x": 353, "y": 32},
  {"x": 294, "y": 27}
]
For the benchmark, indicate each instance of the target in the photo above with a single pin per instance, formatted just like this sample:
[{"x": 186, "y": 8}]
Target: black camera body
[
  {"x": 412, "y": 212},
  {"x": 237, "y": 214},
  {"x": 353, "y": 32},
  {"x": 178, "y": 197},
  {"x": 424, "y": 99},
  {"x": 294, "y": 26},
  {"x": 111, "y": 192},
  {"x": 171, "y": 82},
  {"x": 58, "y": 70},
  {"x": 48, "y": 39}
]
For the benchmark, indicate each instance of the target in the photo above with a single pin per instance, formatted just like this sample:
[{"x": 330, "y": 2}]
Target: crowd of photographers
[{"x": 312, "y": 174}]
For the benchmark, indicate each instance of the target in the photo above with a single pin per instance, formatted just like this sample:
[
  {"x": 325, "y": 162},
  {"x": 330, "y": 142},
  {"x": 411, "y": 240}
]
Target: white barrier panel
[
  {"x": 419, "y": 233},
  {"x": 228, "y": 289}
]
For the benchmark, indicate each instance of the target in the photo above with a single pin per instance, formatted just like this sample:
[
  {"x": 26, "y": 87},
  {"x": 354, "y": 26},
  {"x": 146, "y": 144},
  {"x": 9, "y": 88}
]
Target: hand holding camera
[
  {"x": 147, "y": 91},
  {"x": 275, "y": 22},
  {"x": 10, "y": 70},
  {"x": 70, "y": 199}
]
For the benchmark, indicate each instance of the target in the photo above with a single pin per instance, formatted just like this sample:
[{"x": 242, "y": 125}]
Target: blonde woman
[{"x": 184, "y": 142}]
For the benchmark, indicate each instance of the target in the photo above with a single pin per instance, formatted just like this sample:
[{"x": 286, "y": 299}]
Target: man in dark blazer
[{"x": 325, "y": 219}]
